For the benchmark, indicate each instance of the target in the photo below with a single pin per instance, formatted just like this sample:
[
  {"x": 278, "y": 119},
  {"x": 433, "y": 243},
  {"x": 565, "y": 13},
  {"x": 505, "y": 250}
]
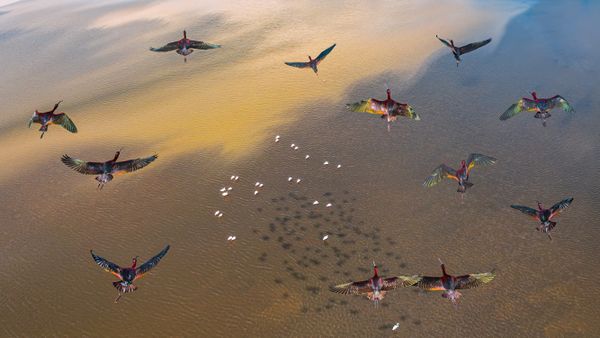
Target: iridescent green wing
[
  {"x": 151, "y": 263},
  {"x": 560, "y": 206},
  {"x": 523, "y": 104},
  {"x": 474, "y": 280},
  {"x": 371, "y": 106},
  {"x": 64, "y": 121},
  {"x": 395, "y": 282},
  {"x": 440, "y": 173},
  {"x": 479, "y": 160},
  {"x": 559, "y": 102},
  {"x": 352, "y": 288}
]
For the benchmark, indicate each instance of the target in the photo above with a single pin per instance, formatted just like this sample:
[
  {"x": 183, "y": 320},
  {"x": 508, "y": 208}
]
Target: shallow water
[{"x": 216, "y": 116}]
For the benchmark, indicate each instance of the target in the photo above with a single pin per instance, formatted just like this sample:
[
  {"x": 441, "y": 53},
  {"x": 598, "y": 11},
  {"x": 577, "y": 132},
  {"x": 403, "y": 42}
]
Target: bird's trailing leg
[
  {"x": 118, "y": 297},
  {"x": 42, "y": 135}
]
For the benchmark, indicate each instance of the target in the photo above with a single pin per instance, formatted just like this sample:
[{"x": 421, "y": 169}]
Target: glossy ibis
[
  {"x": 48, "y": 118},
  {"x": 545, "y": 216},
  {"x": 540, "y": 106},
  {"x": 461, "y": 175},
  {"x": 312, "y": 63},
  {"x": 458, "y": 51},
  {"x": 184, "y": 46}
]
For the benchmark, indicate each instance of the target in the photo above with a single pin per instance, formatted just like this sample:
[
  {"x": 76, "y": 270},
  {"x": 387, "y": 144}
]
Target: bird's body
[
  {"x": 540, "y": 106},
  {"x": 450, "y": 284},
  {"x": 185, "y": 46},
  {"x": 107, "y": 170},
  {"x": 312, "y": 63},
  {"x": 545, "y": 216},
  {"x": 48, "y": 118},
  {"x": 388, "y": 109},
  {"x": 462, "y": 174},
  {"x": 375, "y": 287},
  {"x": 458, "y": 51},
  {"x": 129, "y": 274}
]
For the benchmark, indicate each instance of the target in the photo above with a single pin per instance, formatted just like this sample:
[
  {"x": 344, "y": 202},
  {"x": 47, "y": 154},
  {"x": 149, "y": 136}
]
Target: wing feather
[
  {"x": 352, "y": 288},
  {"x": 473, "y": 46},
  {"x": 325, "y": 53},
  {"x": 370, "y": 106},
  {"x": 479, "y": 160},
  {"x": 526, "y": 210},
  {"x": 440, "y": 173},
  {"x": 298, "y": 64},
  {"x": 87, "y": 168},
  {"x": 166, "y": 48},
  {"x": 203, "y": 45},
  {"x": 132, "y": 165},
  {"x": 107, "y": 265},
  {"x": 64, "y": 121},
  {"x": 524, "y": 104},
  {"x": 474, "y": 280},
  {"x": 444, "y": 42},
  {"x": 430, "y": 283},
  {"x": 395, "y": 282},
  {"x": 151, "y": 263},
  {"x": 559, "y": 102},
  {"x": 560, "y": 206}
]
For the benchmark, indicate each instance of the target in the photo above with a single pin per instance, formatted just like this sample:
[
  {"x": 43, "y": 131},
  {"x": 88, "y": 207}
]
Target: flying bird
[
  {"x": 458, "y": 51},
  {"x": 48, "y": 118},
  {"x": 128, "y": 275},
  {"x": 461, "y": 175},
  {"x": 185, "y": 46},
  {"x": 312, "y": 63},
  {"x": 107, "y": 170},
  {"x": 450, "y": 284},
  {"x": 388, "y": 109},
  {"x": 376, "y": 287},
  {"x": 545, "y": 216},
  {"x": 540, "y": 106}
]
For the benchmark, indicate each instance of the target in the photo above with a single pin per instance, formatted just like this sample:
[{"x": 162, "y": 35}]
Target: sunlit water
[{"x": 217, "y": 116}]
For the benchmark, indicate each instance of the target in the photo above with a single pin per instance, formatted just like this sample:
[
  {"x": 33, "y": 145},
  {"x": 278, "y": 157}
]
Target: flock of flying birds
[{"x": 375, "y": 287}]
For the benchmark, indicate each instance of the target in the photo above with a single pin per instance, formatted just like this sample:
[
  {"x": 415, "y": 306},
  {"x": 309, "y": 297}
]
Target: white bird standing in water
[{"x": 396, "y": 326}]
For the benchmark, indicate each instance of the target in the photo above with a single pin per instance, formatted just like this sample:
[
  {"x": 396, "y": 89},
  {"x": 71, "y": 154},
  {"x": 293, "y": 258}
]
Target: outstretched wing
[
  {"x": 132, "y": 165},
  {"x": 166, "y": 48},
  {"x": 560, "y": 206},
  {"x": 63, "y": 120},
  {"x": 523, "y": 104},
  {"x": 444, "y": 41},
  {"x": 88, "y": 168},
  {"x": 473, "y": 46},
  {"x": 441, "y": 172},
  {"x": 324, "y": 53},
  {"x": 559, "y": 102},
  {"x": 474, "y": 280},
  {"x": 370, "y": 106},
  {"x": 298, "y": 64},
  {"x": 430, "y": 283},
  {"x": 403, "y": 109},
  {"x": 479, "y": 160},
  {"x": 107, "y": 265},
  {"x": 35, "y": 118},
  {"x": 526, "y": 210},
  {"x": 202, "y": 45},
  {"x": 352, "y": 288},
  {"x": 151, "y": 263},
  {"x": 392, "y": 283}
]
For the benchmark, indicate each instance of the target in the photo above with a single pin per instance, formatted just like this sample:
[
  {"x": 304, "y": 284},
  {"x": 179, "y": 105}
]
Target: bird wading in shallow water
[
  {"x": 388, "y": 109},
  {"x": 107, "y": 170},
  {"x": 545, "y": 216},
  {"x": 376, "y": 287},
  {"x": 451, "y": 284},
  {"x": 458, "y": 51},
  {"x": 461, "y": 175},
  {"x": 184, "y": 46},
  {"x": 540, "y": 106},
  {"x": 312, "y": 63},
  {"x": 48, "y": 118},
  {"x": 128, "y": 275}
]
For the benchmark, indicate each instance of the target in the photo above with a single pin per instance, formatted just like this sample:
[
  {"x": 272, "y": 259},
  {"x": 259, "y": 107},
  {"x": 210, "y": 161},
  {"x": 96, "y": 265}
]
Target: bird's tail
[
  {"x": 124, "y": 287},
  {"x": 464, "y": 186}
]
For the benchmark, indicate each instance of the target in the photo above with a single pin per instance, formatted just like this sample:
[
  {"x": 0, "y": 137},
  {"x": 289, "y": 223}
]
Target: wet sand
[{"x": 273, "y": 280}]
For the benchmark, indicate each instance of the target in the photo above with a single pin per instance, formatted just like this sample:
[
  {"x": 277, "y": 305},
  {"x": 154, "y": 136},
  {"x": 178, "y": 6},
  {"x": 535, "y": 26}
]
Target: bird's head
[
  {"x": 463, "y": 163},
  {"x": 534, "y": 95},
  {"x": 540, "y": 206}
]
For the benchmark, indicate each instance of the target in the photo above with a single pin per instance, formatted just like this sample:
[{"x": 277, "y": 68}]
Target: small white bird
[
  {"x": 223, "y": 189},
  {"x": 326, "y": 163},
  {"x": 231, "y": 238},
  {"x": 256, "y": 184},
  {"x": 237, "y": 178},
  {"x": 292, "y": 145},
  {"x": 220, "y": 215},
  {"x": 225, "y": 194},
  {"x": 396, "y": 326},
  {"x": 260, "y": 185},
  {"x": 328, "y": 205},
  {"x": 290, "y": 179},
  {"x": 298, "y": 180},
  {"x": 276, "y": 140},
  {"x": 232, "y": 177},
  {"x": 255, "y": 192},
  {"x": 325, "y": 237},
  {"x": 339, "y": 166},
  {"x": 315, "y": 202},
  {"x": 306, "y": 157},
  {"x": 217, "y": 212}
]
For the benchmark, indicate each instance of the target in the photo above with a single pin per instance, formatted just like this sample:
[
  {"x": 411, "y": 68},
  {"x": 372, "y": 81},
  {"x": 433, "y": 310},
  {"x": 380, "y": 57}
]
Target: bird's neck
[
  {"x": 534, "y": 95},
  {"x": 116, "y": 156},
  {"x": 444, "y": 270},
  {"x": 540, "y": 207},
  {"x": 389, "y": 95},
  {"x": 134, "y": 263},
  {"x": 375, "y": 272},
  {"x": 310, "y": 59}
]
